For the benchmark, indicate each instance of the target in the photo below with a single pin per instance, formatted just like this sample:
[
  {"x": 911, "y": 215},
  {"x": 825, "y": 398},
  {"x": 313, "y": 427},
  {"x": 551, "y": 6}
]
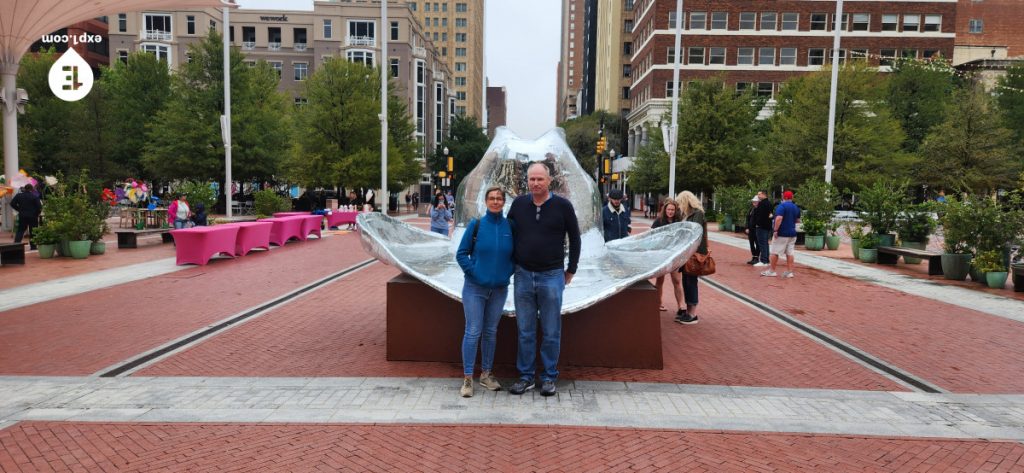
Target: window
[
  {"x": 394, "y": 31},
  {"x": 412, "y": 6},
  {"x": 748, "y": 20},
  {"x": 435, "y": 6},
  {"x": 695, "y": 55},
  {"x": 671, "y": 57},
  {"x": 720, "y": 20},
  {"x": 426, "y": 22},
  {"x": 627, "y": 26},
  {"x": 328, "y": 29},
  {"x": 122, "y": 22},
  {"x": 887, "y": 57},
  {"x": 444, "y": 36},
  {"x": 890, "y": 22},
  {"x": 360, "y": 56},
  {"x": 768, "y": 20},
  {"x": 698, "y": 20},
  {"x": 858, "y": 54},
  {"x": 301, "y": 70},
  {"x": 158, "y": 27},
  {"x": 976, "y": 26},
  {"x": 745, "y": 57},
  {"x": 444, "y": 22},
  {"x": 460, "y": 81},
  {"x": 394, "y": 67},
  {"x": 161, "y": 51},
  {"x": 765, "y": 89},
  {"x": 213, "y": 25},
  {"x": 435, "y": 22},
  {"x": 421, "y": 96},
  {"x": 716, "y": 56},
  {"x": 911, "y": 22},
  {"x": 362, "y": 32},
  {"x": 861, "y": 22},
  {"x": 671, "y": 20},
  {"x": 122, "y": 56},
  {"x": 766, "y": 56},
  {"x": 248, "y": 37},
  {"x": 460, "y": 95},
  {"x": 300, "y": 101},
  {"x": 460, "y": 67},
  {"x": 909, "y": 54},
  {"x": 190, "y": 24},
  {"x": 787, "y": 56},
  {"x": 933, "y": 23},
  {"x": 815, "y": 56},
  {"x": 627, "y": 49},
  {"x": 626, "y": 70},
  {"x": 819, "y": 21},
  {"x": 742, "y": 87},
  {"x": 790, "y": 21},
  {"x": 929, "y": 53},
  {"x": 625, "y": 93},
  {"x": 274, "y": 38},
  {"x": 669, "y": 89},
  {"x": 444, "y": 51},
  {"x": 461, "y": 23},
  {"x": 460, "y": 37},
  {"x": 298, "y": 39},
  {"x": 435, "y": 36},
  {"x": 444, "y": 7},
  {"x": 842, "y": 55},
  {"x": 461, "y": 8},
  {"x": 278, "y": 66},
  {"x": 460, "y": 52},
  {"x": 460, "y": 110}
]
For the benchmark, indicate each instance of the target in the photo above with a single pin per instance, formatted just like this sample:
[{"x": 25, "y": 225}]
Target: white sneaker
[
  {"x": 760, "y": 264},
  {"x": 787, "y": 274},
  {"x": 769, "y": 273}
]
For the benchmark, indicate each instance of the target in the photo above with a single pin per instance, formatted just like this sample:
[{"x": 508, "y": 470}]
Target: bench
[
  {"x": 891, "y": 254},
  {"x": 1017, "y": 271},
  {"x": 127, "y": 238},
  {"x": 12, "y": 253}
]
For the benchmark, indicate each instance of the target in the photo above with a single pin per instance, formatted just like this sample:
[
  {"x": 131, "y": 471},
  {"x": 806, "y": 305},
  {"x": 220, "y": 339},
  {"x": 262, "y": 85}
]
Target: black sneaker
[
  {"x": 681, "y": 313},
  {"x": 752, "y": 261},
  {"x": 547, "y": 388},
  {"x": 521, "y": 386},
  {"x": 687, "y": 319}
]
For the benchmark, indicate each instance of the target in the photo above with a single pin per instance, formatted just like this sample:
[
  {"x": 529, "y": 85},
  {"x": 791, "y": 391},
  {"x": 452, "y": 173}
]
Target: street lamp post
[
  {"x": 383, "y": 106},
  {"x": 225, "y": 120},
  {"x": 669, "y": 135},
  {"x": 830, "y": 148}
]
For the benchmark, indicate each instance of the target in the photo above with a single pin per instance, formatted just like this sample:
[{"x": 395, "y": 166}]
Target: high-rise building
[
  {"x": 589, "y": 86},
  {"x": 614, "y": 52},
  {"x": 988, "y": 30},
  {"x": 571, "y": 58},
  {"x": 457, "y": 31},
  {"x": 496, "y": 109},
  {"x": 757, "y": 45}
]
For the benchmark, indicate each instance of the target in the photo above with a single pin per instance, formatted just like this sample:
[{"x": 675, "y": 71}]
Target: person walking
[
  {"x": 615, "y": 217},
  {"x": 763, "y": 227},
  {"x": 650, "y": 209},
  {"x": 439, "y": 218},
  {"x": 669, "y": 214},
  {"x": 178, "y": 212},
  {"x": 787, "y": 215},
  {"x": 541, "y": 221},
  {"x": 28, "y": 205},
  {"x": 751, "y": 231},
  {"x": 692, "y": 211},
  {"x": 485, "y": 256}
]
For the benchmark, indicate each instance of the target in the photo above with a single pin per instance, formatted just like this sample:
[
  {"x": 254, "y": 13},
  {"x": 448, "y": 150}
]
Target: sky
[{"x": 521, "y": 54}]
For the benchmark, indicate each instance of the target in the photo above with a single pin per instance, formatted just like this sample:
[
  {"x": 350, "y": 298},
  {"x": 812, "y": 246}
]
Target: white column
[
  {"x": 226, "y": 121},
  {"x": 10, "y": 112},
  {"x": 830, "y": 148},
  {"x": 672, "y": 130},
  {"x": 385, "y": 30}
]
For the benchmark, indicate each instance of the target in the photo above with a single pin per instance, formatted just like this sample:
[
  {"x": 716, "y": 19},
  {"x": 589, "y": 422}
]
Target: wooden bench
[
  {"x": 1017, "y": 271},
  {"x": 12, "y": 253},
  {"x": 891, "y": 255},
  {"x": 127, "y": 238}
]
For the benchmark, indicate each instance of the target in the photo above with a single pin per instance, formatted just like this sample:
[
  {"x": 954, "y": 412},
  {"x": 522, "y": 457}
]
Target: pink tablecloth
[
  {"x": 252, "y": 235},
  {"x": 311, "y": 225},
  {"x": 288, "y": 214},
  {"x": 341, "y": 218},
  {"x": 284, "y": 229},
  {"x": 197, "y": 245}
]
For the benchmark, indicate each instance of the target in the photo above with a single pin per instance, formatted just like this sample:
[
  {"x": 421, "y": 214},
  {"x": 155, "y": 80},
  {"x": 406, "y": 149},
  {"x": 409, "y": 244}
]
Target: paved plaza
[{"x": 276, "y": 362}]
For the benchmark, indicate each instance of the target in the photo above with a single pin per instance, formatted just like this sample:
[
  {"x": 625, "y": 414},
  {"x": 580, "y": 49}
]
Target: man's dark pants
[
  {"x": 762, "y": 243},
  {"x": 23, "y": 225},
  {"x": 752, "y": 238}
]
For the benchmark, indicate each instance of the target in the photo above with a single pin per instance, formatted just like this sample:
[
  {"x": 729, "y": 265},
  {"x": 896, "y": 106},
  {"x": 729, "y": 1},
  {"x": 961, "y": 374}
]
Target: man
[
  {"x": 787, "y": 214},
  {"x": 28, "y": 206},
  {"x": 541, "y": 221},
  {"x": 615, "y": 217},
  {"x": 763, "y": 227},
  {"x": 752, "y": 232}
]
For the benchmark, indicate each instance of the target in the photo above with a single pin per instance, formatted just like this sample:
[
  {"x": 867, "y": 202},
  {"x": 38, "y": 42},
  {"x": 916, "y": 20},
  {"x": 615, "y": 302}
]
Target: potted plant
[
  {"x": 856, "y": 232},
  {"x": 815, "y": 234},
  {"x": 832, "y": 239},
  {"x": 914, "y": 228},
  {"x": 818, "y": 200},
  {"x": 46, "y": 240},
  {"x": 956, "y": 231},
  {"x": 869, "y": 248},
  {"x": 880, "y": 205},
  {"x": 990, "y": 264},
  {"x": 97, "y": 228}
]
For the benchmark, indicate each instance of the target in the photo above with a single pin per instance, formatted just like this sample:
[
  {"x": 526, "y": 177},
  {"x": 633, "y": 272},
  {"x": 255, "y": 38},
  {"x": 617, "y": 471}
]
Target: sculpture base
[{"x": 623, "y": 331}]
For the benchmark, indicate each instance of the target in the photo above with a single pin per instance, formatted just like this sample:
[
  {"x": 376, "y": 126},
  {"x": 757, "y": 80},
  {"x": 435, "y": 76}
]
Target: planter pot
[
  {"x": 997, "y": 279},
  {"x": 917, "y": 245},
  {"x": 46, "y": 251},
  {"x": 855, "y": 244},
  {"x": 726, "y": 227},
  {"x": 63, "y": 249},
  {"x": 726, "y": 223},
  {"x": 79, "y": 249},
  {"x": 814, "y": 242},
  {"x": 868, "y": 255},
  {"x": 738, "y": 228},
  {"x": 887, "y": 239},
  {"x": 976, "y": 275},
  {"x": 98, "y": 248},
  {"x": 956, "y": 266},
  {"x": 832, "y": 242}
]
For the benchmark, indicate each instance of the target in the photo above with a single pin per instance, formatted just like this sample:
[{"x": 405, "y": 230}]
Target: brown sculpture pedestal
[{"x": 623, "y": 331}]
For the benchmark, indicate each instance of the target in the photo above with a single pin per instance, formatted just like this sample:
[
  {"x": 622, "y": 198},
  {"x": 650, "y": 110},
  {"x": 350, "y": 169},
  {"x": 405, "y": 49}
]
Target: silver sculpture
[{"x": 604, "y": 268}]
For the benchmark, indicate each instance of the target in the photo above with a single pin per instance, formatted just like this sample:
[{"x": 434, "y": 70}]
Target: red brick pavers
[
  {"x": 50, "y": 446},
  {"x": 340, "y": 331},
  {"x": 955, "y": 348},
  {"x": 37, "y": 269},
  {"x": 82, "y": 334}
]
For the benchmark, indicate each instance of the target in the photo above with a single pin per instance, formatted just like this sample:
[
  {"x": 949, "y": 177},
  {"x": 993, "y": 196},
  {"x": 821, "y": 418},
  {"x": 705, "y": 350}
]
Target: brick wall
[{"x": 1003, "y": 24}]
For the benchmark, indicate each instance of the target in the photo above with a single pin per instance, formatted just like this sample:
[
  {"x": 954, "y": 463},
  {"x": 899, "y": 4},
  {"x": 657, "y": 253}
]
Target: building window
[
  {"x": 671, "y": 57},
  {"x": 886, "y": 57},
  {"x": 444, "y": 36},
  {"x": 394, "y": 31},
  {"x": 768, "y": 20},
  {"x": 790, "y": 21},
  {"x": 278, "y": 66},
  {"x": 627, "y": 26},
  {"x": 122, "y": 22},
  {"x": 695, "y": 56},
  {"x": 460, "y": 52},
  {"x": 669, "y": 89},
  {"x": 190, "y": 24},
  {"x": 460, "y": 95},
  {"x": 158, "y": 27},
  {"x": 890, "y": 22},
  {"x": 720, "y": 20},
  {"x": 748, "y": 20},
  {"x": 435, "y": 36},
  {"x": 301, "y": 71},
  {"x": 122, "y": 56},
  {"x": 412, "y": 6},
  {"x": 435, "y": 22},
  {"x": 627, "y": 49},
  {"x": 819, "y": 21},
  {"x": 625, "y": 93},
  {"x": 929, "y": 53},
  {"x": 444, "y": 22},
  {"x": 671, "y": 20},
  {"x": 361, "y": 56},
  {"x": 844, "y": 22},
  {"x": 842, "y": 56},
  {"x": 460, "y": 110},
  {"x": 911, "y": 22},
  {"x": 328, "y": 29},
  {"x": 460, "y": 81},
  {"x": 626, "y": 70},
  {"x": 815, "y": 56},
  {"x": 460, "y": 22},
  {"x": 300, "y": 101},
  {"x": 460, "y": 67},
  {"x": 698, "y": 20},
  {"x": 908, "y": 54},
  {"x": 161, "y": 51},
  {"x": 426, "y": 21},
  {"x": 745, "y": 57},
  {"x": 460, "y": 37},
  {"x": 976, "y": 26},
  {"x": 742, "y": 87},
  {"x": 438, "y": 111},
  {"x": 444, "y": 51},
  {"x": 362, "y": 33},
  {"x": 421, "y": 99},
  {"x": 444, "y": 7},
  {"x": 394, "y": 67},
  {"x": 858, "y": 54},
  {"x": 933, "y": 23},
  {"x": 787, "y": 56},
  {"x": 861, "y": 22},
  {"x": 461, "y": 8},
  {"x": 765, "y": 89},
  {"x": 766, "y": 56},
  {"x": 716, "y": 56},
  {"x": 213, "y": 25}
]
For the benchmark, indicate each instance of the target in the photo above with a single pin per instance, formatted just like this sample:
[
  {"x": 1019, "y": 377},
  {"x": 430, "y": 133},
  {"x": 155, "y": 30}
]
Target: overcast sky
[{"x": 521, "y": 53}]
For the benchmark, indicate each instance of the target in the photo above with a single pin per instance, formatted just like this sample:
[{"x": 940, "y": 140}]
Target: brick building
[
  {"x": 989, "y": 29},
  {"x": 497, "y": 109},
  {"x": 570, "y": 65}
]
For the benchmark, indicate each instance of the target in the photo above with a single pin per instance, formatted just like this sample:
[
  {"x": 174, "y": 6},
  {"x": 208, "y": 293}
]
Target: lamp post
[
  {"x": 669, "y": 134},
  {"x": 225, "y": 120},
  {"x": 830, "y": 148},
  {"x": 383, "y": 106}
]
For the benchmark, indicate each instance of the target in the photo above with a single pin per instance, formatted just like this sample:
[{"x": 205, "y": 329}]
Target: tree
[
  {"x": 1010, "y": 93},
  {"x": 466, "y": 143},
  {"x": 970, "y": 151},
  {"x": 46, "y": 130},
  {"x": 581, "y": 133},
  {"x": 918, "y": 92},
  {"x": 650, "y": 167},
  {"x": 134, "y": 91}
]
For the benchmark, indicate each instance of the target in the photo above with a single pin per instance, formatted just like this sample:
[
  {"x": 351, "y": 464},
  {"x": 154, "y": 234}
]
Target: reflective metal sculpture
[{"x": 604, "y": 269}]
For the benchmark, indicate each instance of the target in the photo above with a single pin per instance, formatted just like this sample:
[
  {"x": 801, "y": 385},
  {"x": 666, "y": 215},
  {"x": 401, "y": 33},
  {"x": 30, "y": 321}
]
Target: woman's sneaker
[
  {"x": 769, "y": 273},
  {"x": 488, "y": 382},
  {"x": 467, "y": 387},
  {"x": 687, "y": 319}
]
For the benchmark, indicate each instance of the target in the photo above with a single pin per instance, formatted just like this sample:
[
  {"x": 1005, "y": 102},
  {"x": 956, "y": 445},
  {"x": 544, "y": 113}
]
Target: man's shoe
[
  {"x": 752, "y": 261},
  {"x": 467, "y": 387},
  {"x": 521, "y": 386},
  {"x": 488, "y": 382},
  {"x": 687, "y": 319},
  {"x": 547, "y": 388},
  {"x": 769, "y": 273},
  {"x": 787, "y": 274},
  {"x": 760, "y": 265}
]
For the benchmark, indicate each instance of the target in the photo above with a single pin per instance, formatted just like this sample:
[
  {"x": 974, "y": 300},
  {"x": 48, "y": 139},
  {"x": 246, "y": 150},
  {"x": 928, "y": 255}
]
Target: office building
[{"x": 457, "y": 32}]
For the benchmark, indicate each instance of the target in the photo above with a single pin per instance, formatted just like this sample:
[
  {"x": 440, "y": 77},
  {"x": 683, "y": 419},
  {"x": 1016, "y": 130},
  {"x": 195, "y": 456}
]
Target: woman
[
  {"x": 485, "y": 256},
  {"x": 670, "y": 214},
  {"x": 178, "y": 212},
  {"x": 692, "y": 211},
  {"x": 439, "y": 218}
]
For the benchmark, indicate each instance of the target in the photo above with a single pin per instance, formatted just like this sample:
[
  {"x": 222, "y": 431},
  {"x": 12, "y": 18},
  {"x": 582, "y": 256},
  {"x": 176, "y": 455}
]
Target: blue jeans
[
  {"x": 443, "y": 231},
  {"x": 762, "y": 243},
  {"x": 483, "y": 312},
  {"x": 179, "y": 223},
  {"x": 690, "y": 289},
  {"x": 539, "y": 296}
]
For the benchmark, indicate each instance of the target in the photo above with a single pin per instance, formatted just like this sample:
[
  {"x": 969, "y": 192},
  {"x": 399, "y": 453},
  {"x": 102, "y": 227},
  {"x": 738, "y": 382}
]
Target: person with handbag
[
  {"x": 700, "y": 264},
  {"x": 668, "y": 214},
  {"x": 485, "y": 256}
]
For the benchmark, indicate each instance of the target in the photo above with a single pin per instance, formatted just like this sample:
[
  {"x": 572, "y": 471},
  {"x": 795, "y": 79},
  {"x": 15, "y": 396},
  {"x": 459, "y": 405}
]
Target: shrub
[
  {"x": 881, "y": 204},
  {"x": 819, "y": 200},
  {"x": 813, "y": 227},
  {"x": 266, "y": 202},
  {"x": 917, "y": 223},
  {"x": 45, "y": 235},
  {"x": 199, "y": 193},
  {"x": 869, "y": 241},
  {"x": 989, "y": 262}
]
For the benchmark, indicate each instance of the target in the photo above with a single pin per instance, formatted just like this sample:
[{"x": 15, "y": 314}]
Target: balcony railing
[
  {"x": 361, "y": 41},
  {"x": 299, "y": 47},
  {"x": 274, "y": 46},
  {"x": 155, "y": 35},
  {"x": 248, "y": 45}
]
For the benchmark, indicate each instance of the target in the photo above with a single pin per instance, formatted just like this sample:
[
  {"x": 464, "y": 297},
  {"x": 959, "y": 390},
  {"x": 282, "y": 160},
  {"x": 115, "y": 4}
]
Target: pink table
[
  {"x": 252, "y": 235},
  {"x": 284, "y": 229},
  {"x": 288, "y": 214},
  {"x": 197, "y": 245},
  {"x": 310, "y": 225},
  {"x": 341, "y": 218}
]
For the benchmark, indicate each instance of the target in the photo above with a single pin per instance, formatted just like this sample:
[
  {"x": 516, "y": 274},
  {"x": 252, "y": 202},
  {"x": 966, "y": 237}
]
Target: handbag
[{"x": 700, "y": 265}]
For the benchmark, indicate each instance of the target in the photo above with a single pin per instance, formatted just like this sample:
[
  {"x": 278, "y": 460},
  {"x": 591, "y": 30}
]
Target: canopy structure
[{"x": 23, "y": 22}]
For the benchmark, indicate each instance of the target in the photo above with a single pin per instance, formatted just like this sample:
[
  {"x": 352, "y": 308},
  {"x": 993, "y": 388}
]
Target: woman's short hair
[{"x": 494, "y": 189}]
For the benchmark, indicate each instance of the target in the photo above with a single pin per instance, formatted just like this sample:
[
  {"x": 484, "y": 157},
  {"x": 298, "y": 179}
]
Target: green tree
[
  {"x": 650, "y": 166},
  {"x": 918, "y": 92},
  {"x": 46, "y": 131},
  {"x": 134, "y": 91},
  {"x": 1010, "y": 93},
  {"x": 466, "y": 143},
  {"x": 581, "y": 134},
  {"x": 970, "y": 151}
]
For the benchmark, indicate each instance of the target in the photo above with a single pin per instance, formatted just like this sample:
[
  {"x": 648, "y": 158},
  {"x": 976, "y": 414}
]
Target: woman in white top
[{"x": 179, "y": 212}]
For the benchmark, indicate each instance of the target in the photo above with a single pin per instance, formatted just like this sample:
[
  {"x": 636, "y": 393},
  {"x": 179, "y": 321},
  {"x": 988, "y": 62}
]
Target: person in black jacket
[
  {"x": 751, "y": 232},
  {"x": 199, "y": 216},
  {"x": 763, "y": 226},
  {"x": 29, "y": 206},
  {"x": 615, "y": 217}
]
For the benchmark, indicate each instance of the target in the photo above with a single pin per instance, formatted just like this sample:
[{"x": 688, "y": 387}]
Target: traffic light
[
  {"x": 607, "y": 166},
  {"x": 602, "y": 143},
  {"x": 451, "y": 164}
]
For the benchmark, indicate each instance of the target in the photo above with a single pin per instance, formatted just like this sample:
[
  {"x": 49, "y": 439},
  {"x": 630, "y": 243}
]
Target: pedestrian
[
  {"x": 29, "y": 206},
  {"x": 179, "y": 212},
  {"x": 450, "y": 199},
  {"x": 408, "y": 202},
  {"x": 485, "y": 256},
  {"x": 542, "y": 221},
  {"x": 615, "y": 217},
  {"x": 787, "y": 215},
  {"x": 692, "y": 211},
  {"x": 369, "y": 204},
  {"x": 649, "y": 209},
  {"x": 751, "y": 231},
  {"x": 763, "y": 227},
  {"x": 199, "y": 217},
  {"x": 439, "y": 218},
  {"x": 415, "y": 200},
  {"x": 669, "y": 213}
]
